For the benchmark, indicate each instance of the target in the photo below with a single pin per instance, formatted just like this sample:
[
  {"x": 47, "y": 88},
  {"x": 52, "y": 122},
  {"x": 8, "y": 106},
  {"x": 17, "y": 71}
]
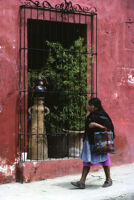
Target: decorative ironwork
[
  {"x": 65, "y": 6},
  {"x": 69, "y": 7},
  {"x": 43, "y": 138}
]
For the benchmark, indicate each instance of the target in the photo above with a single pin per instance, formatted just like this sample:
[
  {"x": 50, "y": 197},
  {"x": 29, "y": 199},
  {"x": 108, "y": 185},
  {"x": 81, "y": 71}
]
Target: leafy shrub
[{"x": 66, "y": 74}]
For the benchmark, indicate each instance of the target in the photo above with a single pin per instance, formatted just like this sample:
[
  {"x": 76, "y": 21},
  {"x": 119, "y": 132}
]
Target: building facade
[{"x": 108, "y": 29}]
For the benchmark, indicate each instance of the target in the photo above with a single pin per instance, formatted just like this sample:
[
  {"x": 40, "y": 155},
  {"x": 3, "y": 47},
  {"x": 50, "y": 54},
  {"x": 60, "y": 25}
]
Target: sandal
[{"x": 78, "y": 185}]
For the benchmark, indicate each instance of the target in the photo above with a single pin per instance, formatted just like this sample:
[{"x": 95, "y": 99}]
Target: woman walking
[{"x": 97, "y": 120}]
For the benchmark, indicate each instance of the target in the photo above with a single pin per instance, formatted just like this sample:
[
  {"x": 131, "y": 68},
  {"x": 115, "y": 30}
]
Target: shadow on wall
[{"x": 124, "y": 153}]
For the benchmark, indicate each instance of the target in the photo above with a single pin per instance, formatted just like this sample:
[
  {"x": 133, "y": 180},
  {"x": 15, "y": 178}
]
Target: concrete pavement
[{"x": 61, "y": 189}]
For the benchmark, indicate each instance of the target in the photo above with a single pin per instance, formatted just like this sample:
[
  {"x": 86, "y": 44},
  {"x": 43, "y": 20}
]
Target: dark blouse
[{"x": 100, "y": 117}]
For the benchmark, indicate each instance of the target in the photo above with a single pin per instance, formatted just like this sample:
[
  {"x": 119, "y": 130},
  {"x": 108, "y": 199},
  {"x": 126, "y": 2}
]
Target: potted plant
[{"x": 65, "y": 72}]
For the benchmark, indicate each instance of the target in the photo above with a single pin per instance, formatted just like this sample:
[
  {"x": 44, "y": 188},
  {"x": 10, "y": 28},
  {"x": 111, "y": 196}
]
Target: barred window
[{"x": 58, "y": 74}]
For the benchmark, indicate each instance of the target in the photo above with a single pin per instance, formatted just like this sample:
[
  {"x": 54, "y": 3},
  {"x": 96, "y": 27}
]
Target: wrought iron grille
[{"x": 58, "y": 74}]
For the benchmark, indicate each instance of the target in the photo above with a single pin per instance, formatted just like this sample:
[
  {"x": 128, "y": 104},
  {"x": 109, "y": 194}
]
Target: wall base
[{"x": 40, "y": 170}]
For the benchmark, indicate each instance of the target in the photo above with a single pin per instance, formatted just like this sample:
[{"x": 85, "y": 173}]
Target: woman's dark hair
[{"x": 96, "y": 102}]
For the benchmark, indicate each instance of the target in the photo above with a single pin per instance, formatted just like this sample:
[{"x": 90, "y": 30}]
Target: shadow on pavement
[{"x": 68, "y": 186}]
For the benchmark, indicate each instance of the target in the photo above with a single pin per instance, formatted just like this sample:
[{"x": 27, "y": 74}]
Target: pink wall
[
  {"x": 9, "y": 89},
  {"x": 115, "y": 77},
  {"x": 116, "y": 71}
]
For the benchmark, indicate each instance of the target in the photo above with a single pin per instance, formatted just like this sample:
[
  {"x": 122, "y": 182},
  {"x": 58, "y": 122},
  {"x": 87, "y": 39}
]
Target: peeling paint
[
  {"x": 125, "y": 76},
  {"x": 2, "y": 47},
  {"x": 3, "y": 169},
  {"x": 115, "y": 95},
  {"x": 8, "y": 170},
  {"x": 131, "y": 79},
  {"x": 12, "y": 168}
]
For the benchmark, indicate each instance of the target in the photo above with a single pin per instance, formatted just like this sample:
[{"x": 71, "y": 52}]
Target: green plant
[{"x": 65, "y": 72}]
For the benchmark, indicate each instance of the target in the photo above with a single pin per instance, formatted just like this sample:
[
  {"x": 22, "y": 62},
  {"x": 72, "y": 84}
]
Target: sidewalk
[{"x": 61, "y": 189}]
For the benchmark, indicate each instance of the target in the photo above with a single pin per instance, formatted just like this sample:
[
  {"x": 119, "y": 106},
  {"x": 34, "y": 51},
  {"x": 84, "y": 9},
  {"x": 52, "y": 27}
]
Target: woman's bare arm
[{"x": 94, "y": 124}]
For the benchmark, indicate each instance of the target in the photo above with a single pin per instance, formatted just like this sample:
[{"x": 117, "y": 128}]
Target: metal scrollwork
[
  {"x": 35, "y": 3},
  {"x": 46, "y": 4},
  {"x": 64, "y": 6}
]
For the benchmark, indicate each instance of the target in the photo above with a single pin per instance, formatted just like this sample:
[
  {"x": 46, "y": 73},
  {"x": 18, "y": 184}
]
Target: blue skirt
[{"x": 88, "y": 154}]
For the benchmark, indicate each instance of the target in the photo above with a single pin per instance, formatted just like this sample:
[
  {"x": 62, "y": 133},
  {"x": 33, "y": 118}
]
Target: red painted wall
[
  {"x": 116, "y": 71},
  {"x": 115, "y": 82},
  {"x": 9, "y": 89}
]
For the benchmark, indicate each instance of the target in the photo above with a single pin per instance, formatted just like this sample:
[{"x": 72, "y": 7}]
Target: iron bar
[
  {"x": 92, "y": 86},
  {"x": 67, "y": 51},
  {"x": 47, "y": 22},
  {"x": 96, "y": 56},
  {"x": 20, "y": 95},
  {"x": 24, "y": 86}
]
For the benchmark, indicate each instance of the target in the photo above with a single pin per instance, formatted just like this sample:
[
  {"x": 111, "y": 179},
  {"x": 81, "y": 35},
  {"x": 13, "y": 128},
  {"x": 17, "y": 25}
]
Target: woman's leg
[
  {"x": 85, "y": 172},
  {"x": 108, "y": 181},
  {"x": 107, "y": 173},
  {"x": 81, "y": 183}
]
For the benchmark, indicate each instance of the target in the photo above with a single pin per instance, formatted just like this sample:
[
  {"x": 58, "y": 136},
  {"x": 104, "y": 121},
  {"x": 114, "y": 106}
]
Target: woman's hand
[{"x": 94, "y": 124}]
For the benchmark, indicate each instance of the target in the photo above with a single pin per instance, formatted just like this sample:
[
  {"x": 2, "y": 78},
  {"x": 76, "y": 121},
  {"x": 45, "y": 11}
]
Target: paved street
[{"x": 61, "y": 189}]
